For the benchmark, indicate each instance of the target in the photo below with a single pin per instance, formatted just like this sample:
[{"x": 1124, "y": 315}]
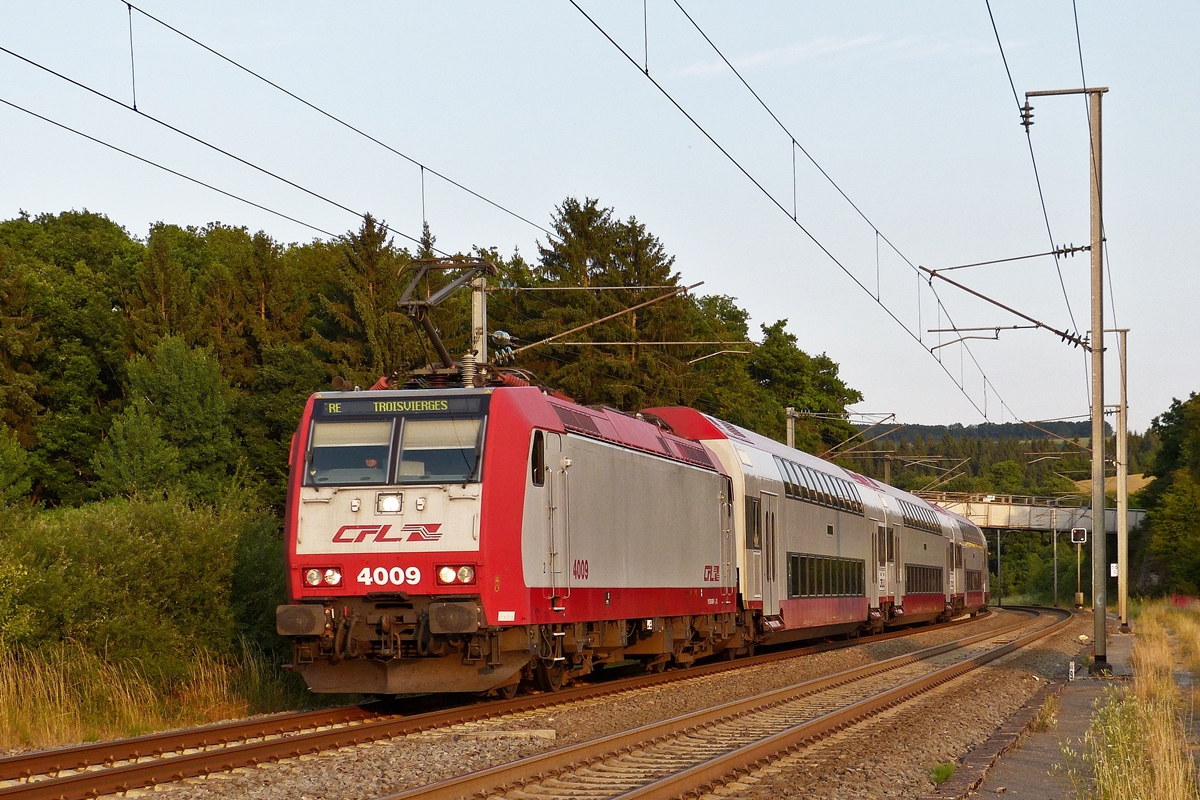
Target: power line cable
[
  {"x": 205, "y": 143},
  {"x": 778, "y": 205},
  {"x": 878, "y": 234},
  {"x": 340, "y": 121},
  {"x": 176, "y": 173},
  {"x": 1112, "y": 302},
  {"x": 1041, "y": 195}
]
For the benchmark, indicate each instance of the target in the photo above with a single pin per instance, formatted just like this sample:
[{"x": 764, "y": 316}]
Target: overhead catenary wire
[
  {"x": 205, "y": 143},
  {"x": 167, "y": 169},
  {"x": 1112, "y": 303},
  {"x": 132, "y": 66},
  {"x": 1038, "y": 181},
  {"x": 349, "y": 126},
  {"x": 878, "y": 234},
  {"x": 820, "y": 245}
]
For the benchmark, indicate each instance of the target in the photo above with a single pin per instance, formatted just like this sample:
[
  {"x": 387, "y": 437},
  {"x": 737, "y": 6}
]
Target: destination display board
[{"x": 427, "y": 405}]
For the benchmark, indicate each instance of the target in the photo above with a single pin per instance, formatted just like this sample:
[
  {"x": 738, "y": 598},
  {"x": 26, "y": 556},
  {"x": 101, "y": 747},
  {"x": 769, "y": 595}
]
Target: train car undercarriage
[{"x": 415, "y": 645}]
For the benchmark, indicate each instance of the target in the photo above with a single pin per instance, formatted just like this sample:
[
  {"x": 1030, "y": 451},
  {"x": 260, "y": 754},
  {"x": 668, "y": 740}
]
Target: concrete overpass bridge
[{"x": 1012, "y": 512}]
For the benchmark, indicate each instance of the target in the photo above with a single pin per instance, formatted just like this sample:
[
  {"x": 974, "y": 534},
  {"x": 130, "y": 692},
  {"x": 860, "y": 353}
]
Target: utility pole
[
  {"x": 1078, "y": 582},
  {"x": 1054, "y": 533},
  {"x": 999, "y": 586},
  {"x": 1099, "y": 540},
  {"x": 791, "y": 426},
  {"x": 1123, "y": 494}
]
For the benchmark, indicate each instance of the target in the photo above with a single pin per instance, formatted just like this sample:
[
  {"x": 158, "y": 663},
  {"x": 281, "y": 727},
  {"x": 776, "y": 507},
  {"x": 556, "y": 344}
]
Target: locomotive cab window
[
  {"x": 439, "y": 450},
  {"x": 538, "y": 459},
  {"x": 350, "y": 453}
]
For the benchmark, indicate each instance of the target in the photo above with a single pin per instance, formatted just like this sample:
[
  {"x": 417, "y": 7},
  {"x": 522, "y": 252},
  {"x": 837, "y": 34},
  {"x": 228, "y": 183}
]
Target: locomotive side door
[
  {"x": 558, "y": 544},
  {"x": 770, "y": 556},
  {"x": 754, "y": 552},
  {"x": 728, "y": 553}
]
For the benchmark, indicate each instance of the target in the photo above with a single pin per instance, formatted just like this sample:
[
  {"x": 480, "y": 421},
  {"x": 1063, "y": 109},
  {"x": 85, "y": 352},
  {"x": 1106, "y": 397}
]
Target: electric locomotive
[{"x": 463, "y": 540}]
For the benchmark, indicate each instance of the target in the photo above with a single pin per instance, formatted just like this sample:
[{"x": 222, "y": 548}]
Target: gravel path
[
  {"x": 891, "y": 755},
  {"x": 368, "y": 771}
]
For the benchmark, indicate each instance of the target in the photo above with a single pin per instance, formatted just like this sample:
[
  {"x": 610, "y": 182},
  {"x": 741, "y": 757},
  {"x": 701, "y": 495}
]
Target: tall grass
[
  {"x": 65, "y": 693},
  {"x": 1136, "y": 744}
]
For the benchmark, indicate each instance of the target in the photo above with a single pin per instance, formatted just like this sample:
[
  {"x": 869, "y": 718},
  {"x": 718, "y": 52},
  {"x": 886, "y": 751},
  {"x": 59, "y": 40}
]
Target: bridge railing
[
  {"x": 1060, "y": 501},
  {"x": 1025, "y": 512}
]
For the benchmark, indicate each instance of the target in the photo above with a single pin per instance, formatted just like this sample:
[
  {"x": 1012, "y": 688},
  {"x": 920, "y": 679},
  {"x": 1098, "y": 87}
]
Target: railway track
[
  {"x": 687, "y": 754},
  {"x": 86, "y": 771}
]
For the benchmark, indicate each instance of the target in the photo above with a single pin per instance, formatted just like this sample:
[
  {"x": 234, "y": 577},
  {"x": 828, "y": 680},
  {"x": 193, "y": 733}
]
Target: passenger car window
[{"x": 753, "y": 524}]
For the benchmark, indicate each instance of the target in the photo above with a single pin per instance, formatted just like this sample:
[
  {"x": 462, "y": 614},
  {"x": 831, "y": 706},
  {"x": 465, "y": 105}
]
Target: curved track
[
  {"x": 684, "y": 755},
  {"x": 85, "y": 771}
]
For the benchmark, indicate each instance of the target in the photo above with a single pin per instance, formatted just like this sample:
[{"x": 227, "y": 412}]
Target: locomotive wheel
[
  {"x": 549, "y": 676},
  {"x": 507, "y": 692}
]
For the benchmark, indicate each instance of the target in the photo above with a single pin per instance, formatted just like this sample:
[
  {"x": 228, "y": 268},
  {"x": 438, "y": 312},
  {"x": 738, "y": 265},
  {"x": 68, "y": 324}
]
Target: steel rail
[
  {"x": 372, "y": 726},
  {"x": 82, "y": 756},
  {"x": 697, "y": 779},
  {"x": 506, "y": 776}
]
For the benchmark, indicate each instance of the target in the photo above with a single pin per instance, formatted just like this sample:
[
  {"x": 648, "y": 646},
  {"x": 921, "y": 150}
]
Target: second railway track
[{"x": 683, "y": 755}]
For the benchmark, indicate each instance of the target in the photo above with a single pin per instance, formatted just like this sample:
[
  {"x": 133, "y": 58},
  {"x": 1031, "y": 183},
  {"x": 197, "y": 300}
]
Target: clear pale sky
[{"x": 906, "y": 106}]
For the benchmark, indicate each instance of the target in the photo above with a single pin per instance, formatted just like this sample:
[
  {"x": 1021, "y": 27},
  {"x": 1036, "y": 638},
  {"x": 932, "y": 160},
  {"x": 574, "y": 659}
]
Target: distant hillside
[{"x": 994, "y": 432}]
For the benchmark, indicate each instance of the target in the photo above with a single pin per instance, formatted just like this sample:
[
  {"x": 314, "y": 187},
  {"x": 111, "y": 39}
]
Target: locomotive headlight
[
  {"x": 332, "y": 577},
  {"x": 312, "y": 577},
  {"x": 466, "y": 574},
  {"x": 447, "y": 574},
  {"x": 389, "y": 503}
]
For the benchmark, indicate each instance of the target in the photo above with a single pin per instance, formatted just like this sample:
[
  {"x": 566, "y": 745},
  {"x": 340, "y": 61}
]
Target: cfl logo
[
  {"x": 356, "y": 534},
  {"x": 423, "y": 532}
]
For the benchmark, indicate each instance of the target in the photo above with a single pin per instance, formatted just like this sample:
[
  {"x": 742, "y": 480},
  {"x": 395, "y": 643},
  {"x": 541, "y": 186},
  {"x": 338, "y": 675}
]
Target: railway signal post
[{"x": 1078, "y": 537}]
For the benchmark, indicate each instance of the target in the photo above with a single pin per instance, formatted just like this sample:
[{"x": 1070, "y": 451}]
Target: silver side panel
[{"x": 623, "y": 519}]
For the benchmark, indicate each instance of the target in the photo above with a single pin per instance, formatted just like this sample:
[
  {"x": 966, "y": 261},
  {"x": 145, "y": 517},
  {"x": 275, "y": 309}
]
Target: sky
[{"x": 906, "y": 108}]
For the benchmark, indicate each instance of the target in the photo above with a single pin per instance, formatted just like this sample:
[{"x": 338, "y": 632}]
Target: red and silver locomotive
[{"x": 466, "y": 540}]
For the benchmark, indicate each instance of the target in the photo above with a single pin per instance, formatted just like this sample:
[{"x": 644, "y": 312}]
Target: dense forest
[
  {"x": 149, "y": 388},
  {"x": 184, "y": 359}
]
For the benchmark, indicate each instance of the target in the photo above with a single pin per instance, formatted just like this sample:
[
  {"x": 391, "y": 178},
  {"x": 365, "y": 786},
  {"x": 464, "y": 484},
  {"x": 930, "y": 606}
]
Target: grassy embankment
[
  {"x": 128, "y": 616},
  {"x": 1136, "y": 746}
]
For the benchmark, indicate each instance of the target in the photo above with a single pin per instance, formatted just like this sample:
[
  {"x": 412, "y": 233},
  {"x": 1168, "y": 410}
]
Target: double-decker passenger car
[
  {"x": 825, "y": 550},
  {"x": 469, "y": 539}
]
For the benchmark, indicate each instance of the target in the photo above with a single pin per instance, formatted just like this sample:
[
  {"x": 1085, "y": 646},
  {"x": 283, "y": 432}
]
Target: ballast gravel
[
  {"x": 887, "y": 766},
  {"x": 892, "y": 754}
]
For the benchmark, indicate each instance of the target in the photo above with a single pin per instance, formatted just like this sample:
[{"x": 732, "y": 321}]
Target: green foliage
[
  {"x": 136, "y": 456},
  {"x": 140, "y": 579},
  {"x": 941, "y": 773},
  {"x": 266, "y": 417},
  {"x": 1169, "y": 539},
  {"x": 185, "y": 392},
  {"x": 14, "y": 469},
  {"x": 1174, "y": 528},
  {"x": 790, "y": 377}
]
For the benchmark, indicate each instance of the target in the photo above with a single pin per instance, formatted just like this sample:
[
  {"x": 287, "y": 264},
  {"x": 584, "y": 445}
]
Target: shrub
[{"x": 146, "y": 579}]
